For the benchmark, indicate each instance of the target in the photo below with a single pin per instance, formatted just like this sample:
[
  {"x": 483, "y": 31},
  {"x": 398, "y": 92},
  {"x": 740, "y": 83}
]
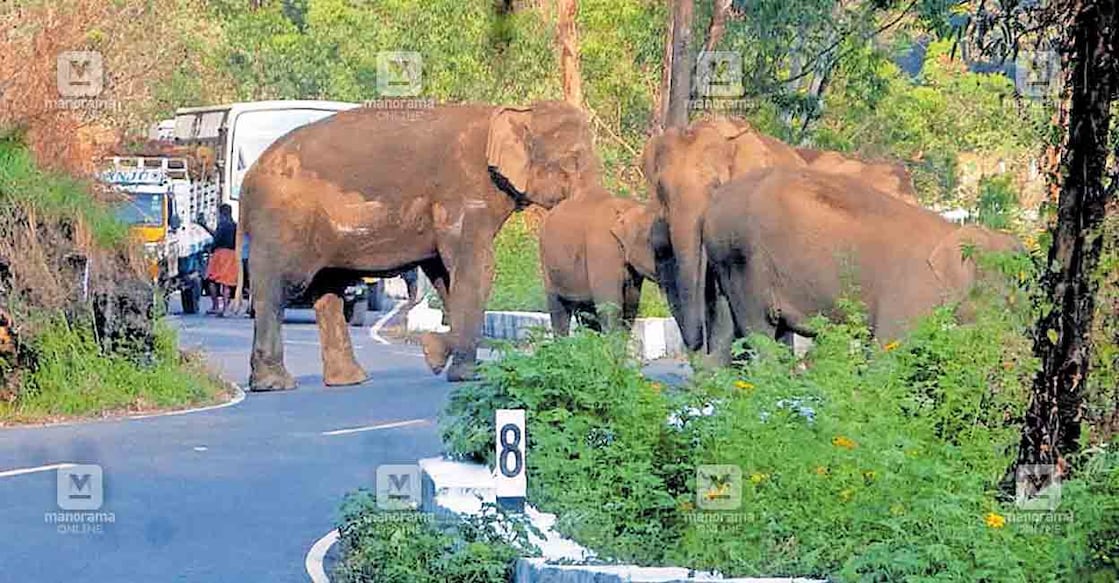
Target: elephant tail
[{"x": 238, "y": 246}]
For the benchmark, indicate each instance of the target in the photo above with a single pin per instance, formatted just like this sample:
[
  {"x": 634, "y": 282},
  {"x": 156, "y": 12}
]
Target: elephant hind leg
[{"x": 339, "y": 365}]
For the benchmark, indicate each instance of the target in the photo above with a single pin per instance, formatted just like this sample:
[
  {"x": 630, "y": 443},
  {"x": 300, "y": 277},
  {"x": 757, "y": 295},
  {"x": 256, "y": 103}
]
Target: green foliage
[
  {"x": 595, "y": 449},
  {"x": 876, "y": 110},
  {"x": 52, "y": 196},
  {"x": 72, "y": 376},
  {"x": 859, "y": 461},
  {"x": 413, "y": 547},
  {"x": 517, "y": 284},
  {"x": 998, "y": 202}
]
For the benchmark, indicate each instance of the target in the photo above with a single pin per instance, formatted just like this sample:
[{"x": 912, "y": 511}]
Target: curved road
[{"x": 238, "y": 493}]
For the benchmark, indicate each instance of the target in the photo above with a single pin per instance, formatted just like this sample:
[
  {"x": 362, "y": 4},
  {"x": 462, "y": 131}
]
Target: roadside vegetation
[
  {"x": 858, "y": 461},
  {"x": 78, "y": 329},
  {"x": 407, "y": 546}
]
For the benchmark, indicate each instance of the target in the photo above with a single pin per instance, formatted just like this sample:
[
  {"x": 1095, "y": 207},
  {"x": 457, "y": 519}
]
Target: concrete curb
[
  {"x": 455, "y": 488},
  {"x": 653, "y": 338}
]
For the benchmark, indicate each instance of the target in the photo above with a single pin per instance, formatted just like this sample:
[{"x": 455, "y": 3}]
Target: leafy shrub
[
  {"x": 411, "y": 547},
  {"x": 997, "y": 202},
  {"x": 72, "y": 375},
  {"x": 859, "y": 461},
  {"x": 517, "y": 283},
  {"x": 597, "y": 436}
]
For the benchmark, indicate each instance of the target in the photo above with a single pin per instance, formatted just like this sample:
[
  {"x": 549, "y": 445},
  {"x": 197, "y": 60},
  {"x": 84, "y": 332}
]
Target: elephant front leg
[
  {"x": 471, "y": 279},
  {"x": 267, "y": 361},
  {"x": 338, "y": 362},
  {"x": 560, "y": 312}
]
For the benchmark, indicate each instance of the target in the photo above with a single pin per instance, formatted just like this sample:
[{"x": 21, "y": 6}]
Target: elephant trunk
[{"x": 682, "y": 274}]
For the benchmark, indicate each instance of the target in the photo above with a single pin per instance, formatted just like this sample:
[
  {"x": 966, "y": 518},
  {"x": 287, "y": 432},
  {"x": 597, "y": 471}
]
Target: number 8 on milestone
[{"x": 510, "y": 449}]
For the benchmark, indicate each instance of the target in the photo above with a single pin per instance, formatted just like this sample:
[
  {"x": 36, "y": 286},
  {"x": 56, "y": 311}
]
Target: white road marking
[
  {"x": 238, "y": 396},
  {"x": 392, "y": 425},
  {"x": 315, "y": 556},
  {"x": 375, "y": 330},
  {"x": 22, "y": 471}
]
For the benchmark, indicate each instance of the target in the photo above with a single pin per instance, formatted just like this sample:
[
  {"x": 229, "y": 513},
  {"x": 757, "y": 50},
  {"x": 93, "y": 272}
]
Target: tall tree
[
  {"x": 680, "y": 77},
  {"x": 567, "y": 37},
  {"x": 1061, "y": 342}
]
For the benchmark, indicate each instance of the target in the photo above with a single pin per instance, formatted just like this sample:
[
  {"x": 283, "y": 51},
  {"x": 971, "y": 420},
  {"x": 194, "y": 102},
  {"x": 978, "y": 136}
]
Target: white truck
[{"x": 225, "y": 140}]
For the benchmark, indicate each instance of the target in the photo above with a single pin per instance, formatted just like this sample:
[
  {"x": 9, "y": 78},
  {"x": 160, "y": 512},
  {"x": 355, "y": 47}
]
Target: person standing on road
[{"x": 224, "y": 262}]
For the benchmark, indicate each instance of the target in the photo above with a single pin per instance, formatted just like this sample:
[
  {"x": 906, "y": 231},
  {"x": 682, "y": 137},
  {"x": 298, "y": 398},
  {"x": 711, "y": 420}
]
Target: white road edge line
[
  {"x": 315, "y": 556},
  {"x": 238, "y": 396},
  {"x": 392, "y": 425},
  {"x": 375, "y": 329},
  {"x": 22, "y": 471}
]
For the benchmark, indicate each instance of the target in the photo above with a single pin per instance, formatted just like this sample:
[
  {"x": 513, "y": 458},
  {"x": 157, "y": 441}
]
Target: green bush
[
  {"x": 72, "y": 376},
  {"x": 859, "y": 461},
  {"x": 517, "y": 283},
  {"x": 413, "y": 547}
]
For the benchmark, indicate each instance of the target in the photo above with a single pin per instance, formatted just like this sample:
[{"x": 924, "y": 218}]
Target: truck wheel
[
  {"x": 354, "y": 311},
  {"x": 191, "y": 296}
]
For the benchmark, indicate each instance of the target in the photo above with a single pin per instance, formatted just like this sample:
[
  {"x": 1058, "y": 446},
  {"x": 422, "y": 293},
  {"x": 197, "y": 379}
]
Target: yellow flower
[
  {"x": 821, "y": 471},
  {"x": 847, "y": 494},
  {"x": 891, "y": 345},
  {"x": 897, "y": 509},
  {"x": 744, "y": 385},
  {"x": 758, "y": 477},
  {"x": 844, "y": 442},
  {"x": 994, "y": 520},
  {"x": 869, "y": 475}
]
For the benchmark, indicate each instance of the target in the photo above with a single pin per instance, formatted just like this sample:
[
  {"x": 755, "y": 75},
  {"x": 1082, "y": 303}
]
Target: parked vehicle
[
  {"x": 227, "y": 139},
  {"x": 155, "y": 191}
]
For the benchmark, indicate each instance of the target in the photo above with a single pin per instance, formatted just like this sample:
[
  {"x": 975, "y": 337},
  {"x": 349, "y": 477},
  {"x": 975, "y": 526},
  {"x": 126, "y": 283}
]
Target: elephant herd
[{"x": 742, "y": 232}]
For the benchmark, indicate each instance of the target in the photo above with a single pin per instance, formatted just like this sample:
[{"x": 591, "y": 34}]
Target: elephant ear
[
  {"x": 631, "y": 228},
  {"x": 951, "y": 260},
  {"x": 507, "y": 151}
]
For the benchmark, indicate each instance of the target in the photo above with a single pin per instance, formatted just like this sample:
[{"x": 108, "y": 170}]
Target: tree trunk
[
  {"x": 1061, "y": 341},
  {"x": 660, "y": 114},
  {"x": 681, "y": 75},
  {"x": 567, "y": 37},
  {"x": 718, "y": 26}
]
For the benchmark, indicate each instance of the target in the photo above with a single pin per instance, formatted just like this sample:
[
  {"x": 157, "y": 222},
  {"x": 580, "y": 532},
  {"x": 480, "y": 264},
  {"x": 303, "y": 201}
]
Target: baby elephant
[{"x": 595, "y": 253}]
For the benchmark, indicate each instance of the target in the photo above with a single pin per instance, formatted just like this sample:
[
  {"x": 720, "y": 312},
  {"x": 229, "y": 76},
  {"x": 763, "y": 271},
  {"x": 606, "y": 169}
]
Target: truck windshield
[
  {"x": 141, "y": 209},
  {"x": 254, "y": 131}
]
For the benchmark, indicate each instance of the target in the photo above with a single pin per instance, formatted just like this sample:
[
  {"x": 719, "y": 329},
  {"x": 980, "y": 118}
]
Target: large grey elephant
[
  {"x": 367, "y": 192},
  {"x": 595, "y": 255},
  {"x": 783, "y": 242},
  {"x": 683, "y": 166}
]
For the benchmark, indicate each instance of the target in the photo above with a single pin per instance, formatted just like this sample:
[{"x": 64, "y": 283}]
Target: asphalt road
[
  {"x": 233, "y": 494},
  {"x": 238, "y": 493}
]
